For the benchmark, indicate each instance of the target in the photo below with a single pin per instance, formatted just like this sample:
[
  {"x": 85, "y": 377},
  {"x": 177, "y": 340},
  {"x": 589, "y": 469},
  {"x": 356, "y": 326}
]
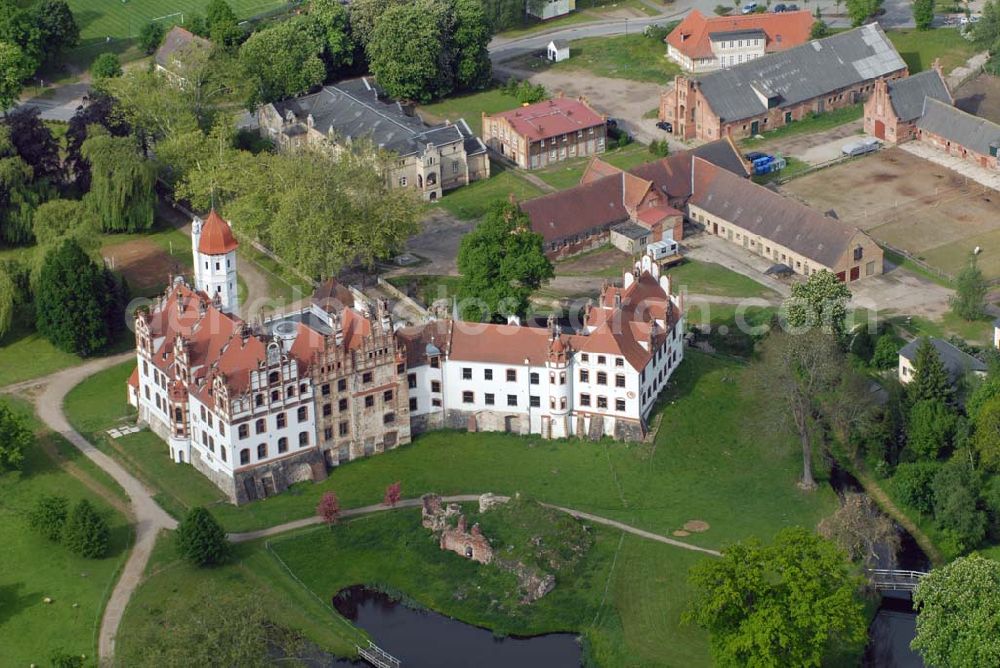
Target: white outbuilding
[{"x": 557, "y": 50}]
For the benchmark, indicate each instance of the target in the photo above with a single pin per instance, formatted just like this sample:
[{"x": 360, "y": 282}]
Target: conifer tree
[
  {"x": 200, "y": 539},
  {"x": 930, "y": 378},
  {"x": 86, "y": 533}
]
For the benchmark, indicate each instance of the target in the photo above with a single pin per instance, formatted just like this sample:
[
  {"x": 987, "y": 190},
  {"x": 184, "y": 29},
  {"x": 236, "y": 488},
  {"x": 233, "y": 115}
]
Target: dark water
[
  {"x": 895, "y": 623},
  {"x": 420, "y": 638}
]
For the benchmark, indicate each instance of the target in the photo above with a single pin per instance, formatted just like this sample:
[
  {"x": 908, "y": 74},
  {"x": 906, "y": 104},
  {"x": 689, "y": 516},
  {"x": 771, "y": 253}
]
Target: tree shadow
[{"x": 13, "y": 600}]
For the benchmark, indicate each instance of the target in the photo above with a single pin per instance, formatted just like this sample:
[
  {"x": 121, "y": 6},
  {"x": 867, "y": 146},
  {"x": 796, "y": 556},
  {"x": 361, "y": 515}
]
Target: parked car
[
  {"x": 966, "y": 20},
  {"x": 749, "y": 8},
  {"x": 791, "y": 8},
  {"x": 666, "y": 126},
  {"x": 754, "y": 155},
  {"x": 861, "y": 147},
  {"x": 612, "y": 123},
  {"x": 778, "y": 8}
]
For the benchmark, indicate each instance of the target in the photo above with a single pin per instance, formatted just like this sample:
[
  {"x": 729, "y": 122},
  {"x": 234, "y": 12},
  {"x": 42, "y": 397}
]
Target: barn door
[{"x": 879, "y": 130}]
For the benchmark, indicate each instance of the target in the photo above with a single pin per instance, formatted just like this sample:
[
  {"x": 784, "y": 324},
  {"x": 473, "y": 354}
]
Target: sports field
[
  {"x": 122, "y": 19},
  {"x": 912, "y": 204}
]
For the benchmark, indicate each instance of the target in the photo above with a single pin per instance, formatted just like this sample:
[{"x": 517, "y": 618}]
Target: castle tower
[{"x": 214, "y": 248}]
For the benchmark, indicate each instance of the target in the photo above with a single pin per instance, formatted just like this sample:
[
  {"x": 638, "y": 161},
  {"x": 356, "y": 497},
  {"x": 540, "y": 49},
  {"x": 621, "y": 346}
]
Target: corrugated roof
[
  {"x": 355, "y": 109},
  {"x": 763, "y": 212},
  {"x": 974, "y": 133},
  {"x": 907, "y": 94},
  {"x": 802, "y": 73}
]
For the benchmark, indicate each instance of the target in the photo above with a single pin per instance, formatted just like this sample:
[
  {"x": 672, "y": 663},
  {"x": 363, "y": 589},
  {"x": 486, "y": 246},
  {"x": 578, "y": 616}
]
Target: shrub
[
  {"x": 106, "y": 66},
  {"x": 912, "y": 483},
  {"x": 48, "y": 517},
  {"x": 86, "y": 533},
  {"x": 200, "y": 539},
  {"x": 150, "y": 36},
  {"x": 886, "y": 354},
  {"x": 930, "y": 429}
]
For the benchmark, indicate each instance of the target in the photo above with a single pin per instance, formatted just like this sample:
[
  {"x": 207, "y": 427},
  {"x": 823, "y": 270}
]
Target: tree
[
  {"x": 502, "y": 262},
  {"x": 86, "y": 533},
  {"x": 931, "y": 428},
  {"x": 61, "y": 218},
  {"x": 48, "y": 516},
  {"x": 407, "y": 52},
  {"x": 121, "y": 186},
  {"x": 14, "y": 68},
  {"x": 20, "y": 28},
  {"x": 99, "y": 110},
  {"x": 200, "y": 539},
  {"x": 8, "y": 294},
  {"x": 785, "y": 604},
  {"x": 365, "y": 15},
  {"x": 886, "y": 352},
  {"x": 15, "y": 438},
  {"x": 333, "y": 20},
  {"x": 223, "y": 26},
  {"x": 794, "y": 373},
  {"x": 20, "y": 193},
  {"x": 820, "y": 301},
  {"x": 71, "y": 301},
  {"x": 860, "y": 11},
  {"x": 328, "y": 508},
  {"x": 956, "y": 490},
  {"x": 860, "y": 529},
  {"x": 987, "y": 436},
  {"x": 959, "y": 613},
  {"x": 57, "y": 26},
  {"x": 284, "y": 59},
  {"x": 987, "y": 389},
  {"x": 819, "y": 30},
  {"x": 34, "y": 143},
  {"x": 392, "y": 494},
  {"x": 930, "y": 378},
  {"x": 912, "y": 483},
  {"x": 923, "y": 14},
  {"x": 106, "y": 66},
  {"x": 150, "y": 37},
  {"x": 502, "y": 15},
  {"x": 969, "y": 300},
  {"x": 470, "y": 37}
]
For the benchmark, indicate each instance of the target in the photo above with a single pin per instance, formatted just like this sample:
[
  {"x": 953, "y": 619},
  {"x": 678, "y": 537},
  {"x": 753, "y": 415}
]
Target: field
[
  {"x": 34, "y": 568},
  {"x": 919, "y": 48},
  {"x": 470, "y": 107},
  {"x": 471, "y": 201},
  {"x": 634, "y": 57},
  {"x": 911, "y": 204},
  {"x": 567, "y": 174}
]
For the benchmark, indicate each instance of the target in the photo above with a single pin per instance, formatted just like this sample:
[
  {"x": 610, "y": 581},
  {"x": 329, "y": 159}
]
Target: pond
[{"x": 425, "y": 638}]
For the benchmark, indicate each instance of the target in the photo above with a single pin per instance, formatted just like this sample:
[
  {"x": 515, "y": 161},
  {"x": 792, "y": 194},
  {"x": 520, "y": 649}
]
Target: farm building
[
  {"x": 557, "y": 50},
  {"x": 892, "y": 111},
  {"x": 783, "y": 87}
]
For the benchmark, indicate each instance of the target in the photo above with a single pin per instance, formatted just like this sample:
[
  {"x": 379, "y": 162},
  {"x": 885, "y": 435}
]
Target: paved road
[
  {"x": 467, "y": 498},
  {"x": 148, "y": 517}
]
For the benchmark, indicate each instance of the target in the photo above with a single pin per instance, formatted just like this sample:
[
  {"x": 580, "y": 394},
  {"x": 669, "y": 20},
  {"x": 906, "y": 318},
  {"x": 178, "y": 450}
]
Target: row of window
[
  {"x": 602, "y": 402},
  {"x": 280, "y": 420},
  {"x": 602, "y": 378},
  {"x": 276, "y": 394},
  {"x": 262, "y": 448}
]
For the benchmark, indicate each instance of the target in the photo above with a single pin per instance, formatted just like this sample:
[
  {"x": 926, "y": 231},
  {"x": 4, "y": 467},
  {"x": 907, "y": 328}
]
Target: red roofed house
[
  {"x": 703, "y": 44},
  {"x": 546, "y": 132}
]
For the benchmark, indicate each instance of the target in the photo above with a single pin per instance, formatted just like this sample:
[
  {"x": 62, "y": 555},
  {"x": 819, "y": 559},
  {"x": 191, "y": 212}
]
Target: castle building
[{"x": 258, "y": 407}]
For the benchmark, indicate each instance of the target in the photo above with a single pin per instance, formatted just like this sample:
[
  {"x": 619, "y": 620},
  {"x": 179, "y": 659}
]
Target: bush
[
  {"x": 930, "y": 429},
  {"x": 200, "y": 539},
  {"x": 912, "y": 483},
  {"x": 659, "y": 148},
  {"x": 150, "y": 36},
  {"x": 956, "y": 497},
  {"x": 86, "y": 533},
  {"x": 524, "y": 91},
  {"x": 48, "y": 517},
  {"x": 886, "y": 354},
  {"x": 722, "y": 10},
  {"x": 106, "y": 66}
]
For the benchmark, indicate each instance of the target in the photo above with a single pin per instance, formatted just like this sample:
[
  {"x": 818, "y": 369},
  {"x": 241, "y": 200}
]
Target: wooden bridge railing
[
  {"x": 886, "y": 579},
  {"x": 378, "y": 657}
]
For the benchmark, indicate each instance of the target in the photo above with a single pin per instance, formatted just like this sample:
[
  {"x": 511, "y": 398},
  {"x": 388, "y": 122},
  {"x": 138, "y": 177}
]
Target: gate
[{"x": 879, "y": 130}]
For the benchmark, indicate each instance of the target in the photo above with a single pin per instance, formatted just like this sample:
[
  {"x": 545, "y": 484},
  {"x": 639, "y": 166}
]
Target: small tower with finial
[{"x": 214, "y": 247}]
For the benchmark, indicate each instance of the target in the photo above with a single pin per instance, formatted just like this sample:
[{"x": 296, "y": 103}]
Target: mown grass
[
  {"x": 35, "y": 568},
  {"x": 470, "y": 107},
  {"x": 633, "y": 57},
  {"x": 919, "y": 48},
  {"x": 25, "y": 354},
  {"x": 708, "y": 278},
  {"x": 568, "y": 173},
  {"x": 810, "y": 124},
  {"x": 473, "y": 200}
]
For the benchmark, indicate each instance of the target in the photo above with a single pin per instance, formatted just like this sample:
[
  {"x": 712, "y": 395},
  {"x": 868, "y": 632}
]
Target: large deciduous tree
[
  {"x": 365, "y": 15},
  {"x": 956, "y": 489},
  {"x": 785, "y": 604},
  {"x": 14, "y": 67},
  {"x": 8, "y": 294},
  {"x": 150, "y": 36},
  {"x": 284, "y": 59},
  {"x": 959, "y": 614},
  {"x": 470, "y": 37},
  {"x": 860, "y": 11},
  {"x": 20, "y": 193},
  {"x": 57, "y": 26},
  {"x": 121, "y": 183},
  {"x": 408, "y": 54},
  {"x": 106, "y": 66},
  {"x": 969, "y": 300},
  {"x": 502, "y": 262},
  {"x": 200, "y": 539},
  {"x": 987, "y": 436},
  {"x": 35, "y": 143},
  {"x": 931, "y": 428},
  {"x": 819, "y": 302},
  {"x": 100, "y": 109},
  {"x": 923, "y": 14},
  {"x": 793, "y": 376},
  {"x": 860, "y": 529},
  {"x": 15, "y": 438},
  {"x": 223, "y": 26},
  {"x": 930, "y": 378},
  {"x": 333, "y": 20}
]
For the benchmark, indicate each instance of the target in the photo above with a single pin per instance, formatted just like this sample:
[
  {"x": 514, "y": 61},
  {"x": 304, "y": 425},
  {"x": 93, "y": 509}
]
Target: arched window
[
  {"x": 244, "y": 431},
  {"x": 303, "y": 439},
  {"x": 290, "y": 392},
  {"x": 260, "y": 426},
  {"x": 273, "y": 377},
  {"x": 282, "y": 445},
  {"x": 282, "y": 421},
  {"x": 259, "y": 400},
  {"x": 222, "y": 453},
  {"x": 275, "y": 395},
  {"x": 178, "y": 415},
  {"x": 245, "y": 456},
  {"x": 262, "y": 451},
  {"x": 303, "y": 414}
]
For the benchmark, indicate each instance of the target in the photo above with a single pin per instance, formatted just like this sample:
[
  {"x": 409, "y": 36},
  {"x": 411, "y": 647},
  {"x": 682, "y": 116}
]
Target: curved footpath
[{"x": 149, "y": 518}]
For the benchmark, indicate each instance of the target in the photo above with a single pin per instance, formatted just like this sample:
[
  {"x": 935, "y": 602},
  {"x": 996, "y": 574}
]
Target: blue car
[{"x": 778, "y": 8}]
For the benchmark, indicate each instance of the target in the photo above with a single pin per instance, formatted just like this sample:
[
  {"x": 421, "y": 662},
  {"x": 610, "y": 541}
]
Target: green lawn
[
  {"x": 811, "y": 123},
  {"x": 978, "y": 332},
  {"x": 568, "y": 173},
  {"x": 34, "y": 568},
  {"x": 793, "y": 167},
  {"x": 708, "y": 278},
  {"x": 633, "y": 57},
  {"x": 25, "y": 354},
  {"x": 470, "y": 107},
  {"x": 471, "y": 201},
  {"x": 707, "y": 463},
  {"x": 919, "y": 48}
]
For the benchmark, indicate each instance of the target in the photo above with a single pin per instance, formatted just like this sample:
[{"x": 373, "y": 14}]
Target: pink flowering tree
[
  {"x": 392, "y": 494},
  {"x": 329, "y": 508}
]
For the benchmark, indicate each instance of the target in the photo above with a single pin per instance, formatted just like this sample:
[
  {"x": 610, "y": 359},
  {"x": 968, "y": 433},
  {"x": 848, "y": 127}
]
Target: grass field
[
  {"x": 708, "y": 278},
  {"x": 632, "y": 57},
  {"x": 919, "y": 48},
  {"x": 34, "y": 568},
  {"x": 809, "y": 125},
  {"x": 471, "y": 201},
  {"x": 470, "y": 107},
  {"x": 567, "y": 174}
]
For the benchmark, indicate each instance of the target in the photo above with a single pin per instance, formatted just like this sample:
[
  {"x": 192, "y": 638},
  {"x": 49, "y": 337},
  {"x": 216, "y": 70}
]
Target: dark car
[
  {"x": 791, "y": 8},
  {"x": 665, "y": 126},
  {"x": 612, "y": 123},
  {"x": 778, "y": 8},
  {"x": 754, "y": 155}
]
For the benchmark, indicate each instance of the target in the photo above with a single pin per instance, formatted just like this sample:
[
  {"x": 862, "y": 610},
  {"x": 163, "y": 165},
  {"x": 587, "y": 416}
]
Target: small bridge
[
  {"x": 378, "y": 657},
  {"x": 885, "y": 579}
]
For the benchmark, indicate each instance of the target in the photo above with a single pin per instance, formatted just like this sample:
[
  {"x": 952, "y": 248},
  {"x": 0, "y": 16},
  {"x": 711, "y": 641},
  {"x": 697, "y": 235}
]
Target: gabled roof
[
  {"x": 957, "y": 362},
  {"x": 783, "y": 30},
  {"x": 216, "y": 236},
  {"x": 672, "y": 175},
  {"x": 575, "y": 210},
  {"x": 764, "y": 212},
  {"x": 801, "y": 73},
  {"x": 175, "y": 40},
  {"x": 354, "y": 109},
  {"x": 907, "y": 94},
  {"x": 551, "y": 118},
  {"x": 974, "y": 133}
]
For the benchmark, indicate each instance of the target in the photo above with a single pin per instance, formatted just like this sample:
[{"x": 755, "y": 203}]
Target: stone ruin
[{"x": 470, "y": 543}]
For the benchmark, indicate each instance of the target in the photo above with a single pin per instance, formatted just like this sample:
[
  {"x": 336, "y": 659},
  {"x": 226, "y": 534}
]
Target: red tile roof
[
  {"x": 551, "y": 118},
  {"x": 783, "y": 30},
  {"x": 216, "y": 236},
  {"x": 655, "y": 214}
]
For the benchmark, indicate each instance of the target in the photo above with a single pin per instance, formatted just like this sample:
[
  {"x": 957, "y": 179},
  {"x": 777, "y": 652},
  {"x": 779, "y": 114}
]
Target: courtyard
[{"x": 910, "y": 204}]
